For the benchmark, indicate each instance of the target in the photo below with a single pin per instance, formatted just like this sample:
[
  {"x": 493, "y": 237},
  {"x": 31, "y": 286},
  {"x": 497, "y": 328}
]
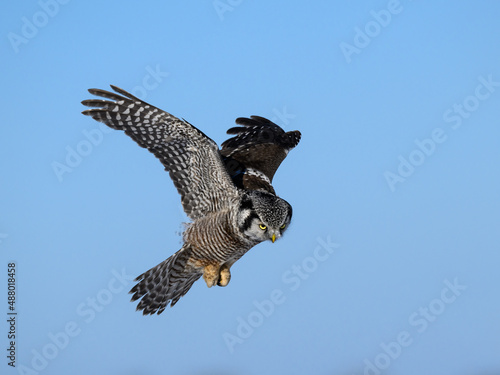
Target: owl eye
[
  {"x": 262, "y": 226},
  {"x": 283, "y": 226}
]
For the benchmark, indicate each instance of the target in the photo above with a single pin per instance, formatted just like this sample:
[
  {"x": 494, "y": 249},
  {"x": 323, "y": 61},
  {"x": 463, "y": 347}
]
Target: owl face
[{"x": 263, "y": 216}]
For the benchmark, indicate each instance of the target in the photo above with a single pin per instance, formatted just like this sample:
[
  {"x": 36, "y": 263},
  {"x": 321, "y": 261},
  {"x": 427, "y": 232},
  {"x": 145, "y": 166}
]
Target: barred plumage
[{"x": 227, "y": 194}]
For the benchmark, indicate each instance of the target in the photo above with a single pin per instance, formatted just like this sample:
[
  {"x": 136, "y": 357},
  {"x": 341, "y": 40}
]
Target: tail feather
[{"x": 165, "y": 283}]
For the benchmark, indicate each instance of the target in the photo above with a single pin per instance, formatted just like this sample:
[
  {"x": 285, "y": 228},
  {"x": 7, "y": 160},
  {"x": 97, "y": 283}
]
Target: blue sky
[{"x": 390, "y": 265}]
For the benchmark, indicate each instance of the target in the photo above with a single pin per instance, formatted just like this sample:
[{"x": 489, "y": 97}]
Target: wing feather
[
  {"x": 192, "y": 159},
  {"x": 259, "y": 144}
]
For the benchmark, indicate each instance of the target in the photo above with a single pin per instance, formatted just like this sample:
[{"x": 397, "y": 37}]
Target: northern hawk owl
[{"x": 226, "y": 193}]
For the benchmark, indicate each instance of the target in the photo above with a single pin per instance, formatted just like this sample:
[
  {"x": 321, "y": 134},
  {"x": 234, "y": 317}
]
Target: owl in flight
[{"x": 226, "y": 193}]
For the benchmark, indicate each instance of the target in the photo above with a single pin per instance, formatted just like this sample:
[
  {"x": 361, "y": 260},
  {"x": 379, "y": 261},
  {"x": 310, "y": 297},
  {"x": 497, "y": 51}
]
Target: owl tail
[{"x": 165, "y": 283}]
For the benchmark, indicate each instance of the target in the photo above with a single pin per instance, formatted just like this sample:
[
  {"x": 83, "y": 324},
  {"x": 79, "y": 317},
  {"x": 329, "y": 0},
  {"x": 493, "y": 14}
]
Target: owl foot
[
  {"x": 211, "y": 274},
  {"x": 215, "y": 275},
  {"x": 224, "y": 276}
]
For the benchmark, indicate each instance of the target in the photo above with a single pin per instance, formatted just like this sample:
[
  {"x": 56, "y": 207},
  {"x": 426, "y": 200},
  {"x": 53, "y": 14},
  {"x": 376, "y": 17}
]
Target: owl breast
[{"x": 213, "y": 239}]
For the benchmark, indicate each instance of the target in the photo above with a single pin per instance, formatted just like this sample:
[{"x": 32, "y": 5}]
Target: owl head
[{"x": 263, "y": 216}]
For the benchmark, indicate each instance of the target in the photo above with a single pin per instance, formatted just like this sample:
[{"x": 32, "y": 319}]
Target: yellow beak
[{"x": 273, "y": 238}]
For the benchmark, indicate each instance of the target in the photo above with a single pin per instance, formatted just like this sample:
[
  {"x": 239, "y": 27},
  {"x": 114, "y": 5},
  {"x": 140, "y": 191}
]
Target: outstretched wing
[
  {"x": 192, "y": 159},
  {"x": 259, "y": 146}
]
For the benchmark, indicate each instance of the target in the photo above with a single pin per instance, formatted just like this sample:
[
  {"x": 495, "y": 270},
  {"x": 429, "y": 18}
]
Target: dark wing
[
  {"x": 193, "y": 159},
  {"x": 258, "y": 147}
]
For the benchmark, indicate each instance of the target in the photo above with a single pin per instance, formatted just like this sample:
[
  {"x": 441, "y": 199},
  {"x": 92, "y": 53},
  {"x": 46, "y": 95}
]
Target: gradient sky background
[{"x": 394, "y": 252}]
